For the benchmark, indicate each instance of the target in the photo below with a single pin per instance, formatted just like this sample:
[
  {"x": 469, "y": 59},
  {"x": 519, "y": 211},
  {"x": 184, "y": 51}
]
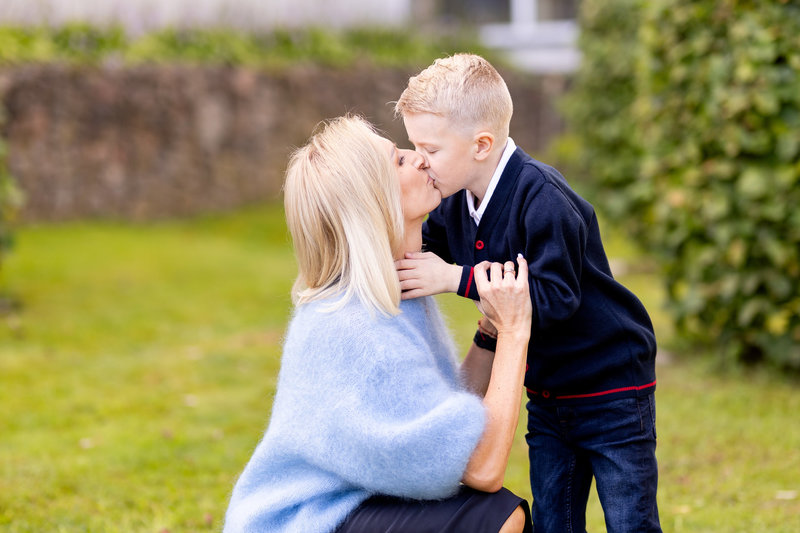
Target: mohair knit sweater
[{"x": 365, "y": 404}]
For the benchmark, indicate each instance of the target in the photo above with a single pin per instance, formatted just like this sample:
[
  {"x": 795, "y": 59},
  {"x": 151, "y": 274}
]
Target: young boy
[{"x": 591, "y": 357}]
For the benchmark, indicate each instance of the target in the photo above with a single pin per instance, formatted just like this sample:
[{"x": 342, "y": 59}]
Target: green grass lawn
[{"x": 136, "y": 378}]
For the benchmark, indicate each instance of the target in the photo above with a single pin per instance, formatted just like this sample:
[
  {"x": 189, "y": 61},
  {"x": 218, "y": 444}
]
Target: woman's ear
[{"x": 483, "y": 143}]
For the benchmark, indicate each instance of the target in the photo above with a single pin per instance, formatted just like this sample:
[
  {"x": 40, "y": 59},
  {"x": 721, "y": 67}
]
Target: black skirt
[{"x": 469, "y": 511}]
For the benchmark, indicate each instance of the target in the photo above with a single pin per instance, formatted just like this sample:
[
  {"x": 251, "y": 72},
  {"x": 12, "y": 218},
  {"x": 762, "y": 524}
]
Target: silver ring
[{"x": 508, "y": 270}]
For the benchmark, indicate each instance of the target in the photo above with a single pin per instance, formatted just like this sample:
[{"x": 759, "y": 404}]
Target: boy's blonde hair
[
  {"x": 463, "y": 88},
  {"x": 344, "y": 211}
]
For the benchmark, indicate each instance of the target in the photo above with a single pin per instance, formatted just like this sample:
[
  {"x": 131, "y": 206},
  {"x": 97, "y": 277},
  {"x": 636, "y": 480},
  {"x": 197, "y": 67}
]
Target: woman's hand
[{"x": 505, "y": 300}]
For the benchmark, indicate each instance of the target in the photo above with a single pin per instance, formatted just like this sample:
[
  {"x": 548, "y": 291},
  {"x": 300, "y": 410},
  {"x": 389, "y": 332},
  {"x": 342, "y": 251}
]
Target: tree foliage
[
  {"x": 599, "y": 107},
  {"x": 706, "y": 147}
]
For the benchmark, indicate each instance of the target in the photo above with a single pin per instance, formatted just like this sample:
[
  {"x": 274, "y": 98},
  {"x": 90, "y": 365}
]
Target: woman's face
[{"x": 420, "y": 197}]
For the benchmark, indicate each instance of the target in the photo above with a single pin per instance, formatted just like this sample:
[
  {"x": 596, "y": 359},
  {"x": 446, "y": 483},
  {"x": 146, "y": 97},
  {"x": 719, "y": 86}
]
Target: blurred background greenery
[{"x": 138, "y": 353}]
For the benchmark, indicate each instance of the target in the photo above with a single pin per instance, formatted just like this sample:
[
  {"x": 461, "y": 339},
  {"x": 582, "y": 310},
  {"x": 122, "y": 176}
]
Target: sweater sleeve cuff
[
  {"x": 485, "y": 341},
  {"x": 466, "y": 287}
]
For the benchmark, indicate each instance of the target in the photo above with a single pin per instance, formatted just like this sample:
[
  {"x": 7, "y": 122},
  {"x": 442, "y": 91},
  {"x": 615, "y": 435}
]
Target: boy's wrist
[
  {"x": 466, "y": 285},
  {"x": 485, "y": 341},
  {"x": 485, "y": 327}
]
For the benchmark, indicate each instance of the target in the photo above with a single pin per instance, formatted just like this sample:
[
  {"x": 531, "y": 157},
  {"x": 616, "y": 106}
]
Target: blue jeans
[{"x": 614, "y": 442}]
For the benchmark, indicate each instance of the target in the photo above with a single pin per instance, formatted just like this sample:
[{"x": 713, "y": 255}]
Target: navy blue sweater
[{"x": 591, "y": 338}]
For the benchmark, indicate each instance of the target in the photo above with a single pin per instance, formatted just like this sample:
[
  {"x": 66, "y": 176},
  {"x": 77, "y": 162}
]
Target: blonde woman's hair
[
  {"x": 463, "y": 88},
  {"x": 344, "y": 211}
]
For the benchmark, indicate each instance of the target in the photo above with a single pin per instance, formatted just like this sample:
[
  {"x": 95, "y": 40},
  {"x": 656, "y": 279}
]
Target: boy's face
[{"x": 449, "y": 151}]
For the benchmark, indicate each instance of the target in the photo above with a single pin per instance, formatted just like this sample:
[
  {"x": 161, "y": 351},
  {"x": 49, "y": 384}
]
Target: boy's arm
[
  {"x": 555, "y": 239},
  {"x": 555, "y": 236},
  {"x": 425, "y": 273}
]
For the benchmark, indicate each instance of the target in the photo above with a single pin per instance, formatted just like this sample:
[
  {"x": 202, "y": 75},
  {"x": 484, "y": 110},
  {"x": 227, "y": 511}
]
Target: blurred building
[
  {"x": 145, "y": 15},
  {"x": 539, "y": 35}
]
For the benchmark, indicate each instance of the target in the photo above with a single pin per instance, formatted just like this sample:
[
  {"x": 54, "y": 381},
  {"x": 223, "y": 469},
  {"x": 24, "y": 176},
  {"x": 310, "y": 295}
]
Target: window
[{"x": 500, "y": 11}]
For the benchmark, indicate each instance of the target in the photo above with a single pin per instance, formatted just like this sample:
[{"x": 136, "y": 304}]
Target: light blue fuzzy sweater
[{"x": 364, "y": 405}]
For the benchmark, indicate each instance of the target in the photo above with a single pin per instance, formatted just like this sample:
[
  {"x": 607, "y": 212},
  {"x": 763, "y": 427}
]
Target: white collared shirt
[{"x": 476, "y": 214}]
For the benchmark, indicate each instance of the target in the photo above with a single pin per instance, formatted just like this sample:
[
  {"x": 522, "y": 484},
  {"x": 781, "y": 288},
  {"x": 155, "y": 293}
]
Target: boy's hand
[
  {"x": 425, "y": 273},
  {"x": 486, "y": 327}
]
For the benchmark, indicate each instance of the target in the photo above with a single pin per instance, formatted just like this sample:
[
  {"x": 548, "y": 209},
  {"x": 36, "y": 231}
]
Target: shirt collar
[{"x": 476, "y": 214}]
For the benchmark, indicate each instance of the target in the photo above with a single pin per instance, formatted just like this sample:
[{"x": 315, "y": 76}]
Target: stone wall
[{"x": 164, "y": 141}]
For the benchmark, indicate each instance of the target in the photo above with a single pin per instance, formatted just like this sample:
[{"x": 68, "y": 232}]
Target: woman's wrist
[{"x": 515, "y": 333}]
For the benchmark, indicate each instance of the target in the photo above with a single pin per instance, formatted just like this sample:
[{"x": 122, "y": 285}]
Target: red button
[
  {"x": 479, "y": 245},
  {"x": 545, "y": 394}
]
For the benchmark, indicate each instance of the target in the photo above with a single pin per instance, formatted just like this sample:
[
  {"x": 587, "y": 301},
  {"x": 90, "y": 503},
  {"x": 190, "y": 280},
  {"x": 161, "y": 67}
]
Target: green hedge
[
  {"x": 719, "y": 111},
  {"x": 85, "y": 44},
  {"x": 599, "y": 109},
  {"x": 10, "y": 200},
  {"x": 707, "y": 146}
]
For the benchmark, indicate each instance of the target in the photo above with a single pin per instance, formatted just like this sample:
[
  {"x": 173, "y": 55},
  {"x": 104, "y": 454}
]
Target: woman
[{"x": 373, "y": 428}]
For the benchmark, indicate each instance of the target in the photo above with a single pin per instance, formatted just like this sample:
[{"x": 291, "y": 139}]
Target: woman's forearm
[
  {"x": 476, "y": 369},
  {"x": 487, "y": 465}
]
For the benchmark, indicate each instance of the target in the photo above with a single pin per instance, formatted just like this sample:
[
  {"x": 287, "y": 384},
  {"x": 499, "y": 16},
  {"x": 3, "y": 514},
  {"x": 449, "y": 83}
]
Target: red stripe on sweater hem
[{"x": 602, "y": 393}]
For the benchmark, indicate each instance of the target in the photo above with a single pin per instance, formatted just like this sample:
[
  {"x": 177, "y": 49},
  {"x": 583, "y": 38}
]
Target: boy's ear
[{"x": 482, "y": 145}]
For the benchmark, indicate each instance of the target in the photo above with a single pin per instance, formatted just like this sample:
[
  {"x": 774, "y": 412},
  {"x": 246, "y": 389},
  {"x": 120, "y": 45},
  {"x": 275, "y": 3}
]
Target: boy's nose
[{"x": 421, "y": 161}]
